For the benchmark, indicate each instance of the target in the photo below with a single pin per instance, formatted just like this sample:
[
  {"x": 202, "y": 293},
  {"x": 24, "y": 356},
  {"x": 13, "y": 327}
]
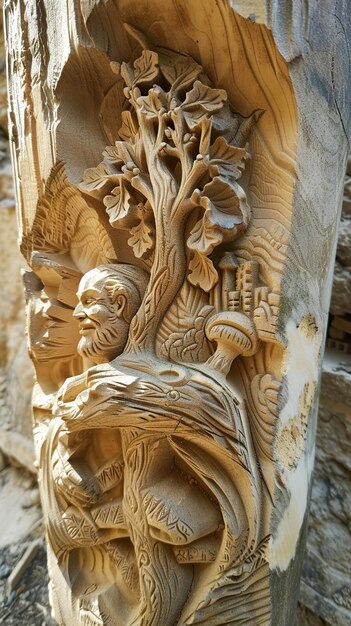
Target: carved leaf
[
  {"x": 110, "y": 154},
  {"x": 96, "y": 177},
  {"x": 226, "y": 160},
  {"x": 225, "y": 205},
  {"x": 202, "y": 95},
  {"x": 140, "y": 240},
  {"x": 145, "y": 69},
  {"x": 204, "y": 237},
  {"x": 154, "y": 102},
  {"x": 126, "y": 153},
  {"x": 146, "y": 66},
  {"x": 203, "y": 273},
  {"x": 127, "y": 73},
  {"x": 179, "y": 71},
  {"x": 118, "y": 203},
  {"x": 200, "y": 101},
  {"x": 129, "y": 128},
  {"x": 226, "y": 214}
]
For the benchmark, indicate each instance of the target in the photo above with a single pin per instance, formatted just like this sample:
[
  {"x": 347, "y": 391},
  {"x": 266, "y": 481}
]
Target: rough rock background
[
  {"x": 16, "y": 372},
  {"x": 326, "y": 584}
]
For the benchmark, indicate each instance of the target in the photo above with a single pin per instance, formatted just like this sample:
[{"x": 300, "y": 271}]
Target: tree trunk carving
[{"x": 175, "y": 318}]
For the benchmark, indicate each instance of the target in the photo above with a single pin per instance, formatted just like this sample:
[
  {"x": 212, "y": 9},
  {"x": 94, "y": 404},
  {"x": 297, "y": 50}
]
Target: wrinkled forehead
[{"x": 92, "y": 280}]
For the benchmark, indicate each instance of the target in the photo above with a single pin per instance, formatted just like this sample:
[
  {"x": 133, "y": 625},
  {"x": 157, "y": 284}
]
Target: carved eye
[{"x": 89, "y": 300}]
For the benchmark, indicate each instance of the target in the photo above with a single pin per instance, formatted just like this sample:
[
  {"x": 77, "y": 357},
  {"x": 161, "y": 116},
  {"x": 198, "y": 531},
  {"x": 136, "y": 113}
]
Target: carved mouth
[{"x": 86, "y": 327}]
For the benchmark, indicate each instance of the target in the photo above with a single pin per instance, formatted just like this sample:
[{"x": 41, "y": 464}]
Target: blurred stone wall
[
  {"x": 16, "y": 372},
  {"x": 326, "y": 585}
]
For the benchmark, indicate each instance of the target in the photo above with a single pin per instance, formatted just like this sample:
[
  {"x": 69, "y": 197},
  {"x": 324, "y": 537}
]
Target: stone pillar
[{"x": 179, "y": 170}]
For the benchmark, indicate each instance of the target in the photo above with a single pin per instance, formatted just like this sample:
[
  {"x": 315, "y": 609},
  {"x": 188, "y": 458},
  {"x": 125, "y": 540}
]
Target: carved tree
[{"x": 177, "y": 210}]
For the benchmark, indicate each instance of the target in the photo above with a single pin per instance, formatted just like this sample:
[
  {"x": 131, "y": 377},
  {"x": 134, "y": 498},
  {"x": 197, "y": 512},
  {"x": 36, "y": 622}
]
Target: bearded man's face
[{"x": 103, "y": 331}]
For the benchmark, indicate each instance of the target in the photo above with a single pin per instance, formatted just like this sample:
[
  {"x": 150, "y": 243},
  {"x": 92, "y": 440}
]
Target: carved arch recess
[{"x": 172, "y": 138}]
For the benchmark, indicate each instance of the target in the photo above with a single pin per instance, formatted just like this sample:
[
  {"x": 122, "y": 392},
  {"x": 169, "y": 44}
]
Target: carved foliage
[{"x": 171, "y": 161}]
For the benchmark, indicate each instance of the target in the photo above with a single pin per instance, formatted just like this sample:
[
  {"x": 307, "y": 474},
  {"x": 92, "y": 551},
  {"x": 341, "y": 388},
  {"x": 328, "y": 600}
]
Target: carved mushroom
[{"x": 235, "y": 335}]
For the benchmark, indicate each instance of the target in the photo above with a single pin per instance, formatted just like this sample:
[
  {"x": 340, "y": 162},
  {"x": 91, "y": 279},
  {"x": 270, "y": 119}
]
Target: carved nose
[{"x": 78, "y": 312}]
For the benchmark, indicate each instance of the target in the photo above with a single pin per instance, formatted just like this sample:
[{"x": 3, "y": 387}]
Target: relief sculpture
[
  {"x": 153, "y": 485},
  {"x": 157, "y": 330}
]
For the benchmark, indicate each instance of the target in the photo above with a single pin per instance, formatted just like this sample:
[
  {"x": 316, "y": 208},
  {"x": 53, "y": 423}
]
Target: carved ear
[
  {"x": 122, "y": 304},
  {"x": 122, "y": 300}
]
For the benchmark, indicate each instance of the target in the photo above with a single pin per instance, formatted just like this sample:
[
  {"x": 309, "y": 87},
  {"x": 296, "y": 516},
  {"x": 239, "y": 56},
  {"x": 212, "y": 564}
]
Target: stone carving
[
  {"x": 109, "y": 297},
  {"x": 148, "y": 452},
  {"x": 171, "y": 434}
]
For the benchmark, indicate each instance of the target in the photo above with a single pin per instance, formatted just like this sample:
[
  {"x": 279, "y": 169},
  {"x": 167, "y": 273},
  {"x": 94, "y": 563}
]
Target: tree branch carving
[{"x": 173, "y": 166}]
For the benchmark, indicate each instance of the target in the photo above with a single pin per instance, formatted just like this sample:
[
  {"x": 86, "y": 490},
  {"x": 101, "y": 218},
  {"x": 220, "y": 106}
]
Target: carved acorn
[{"x": 235, "y": 335}]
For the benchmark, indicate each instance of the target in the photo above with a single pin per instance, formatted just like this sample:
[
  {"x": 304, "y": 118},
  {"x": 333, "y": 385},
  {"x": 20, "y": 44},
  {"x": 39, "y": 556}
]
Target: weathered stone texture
[
  {"x": 305, "y": 617},
  {"x": 344, "y": 242},
  {"x": 326, "y": 586},
  {"x": 16, "y": 372},
  {"x": 341, "y": 300},
  {"x": 3, "y": 110}
]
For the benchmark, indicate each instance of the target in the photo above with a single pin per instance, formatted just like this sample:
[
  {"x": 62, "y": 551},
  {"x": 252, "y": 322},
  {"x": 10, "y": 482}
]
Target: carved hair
[{"x": 127, "y": 280}]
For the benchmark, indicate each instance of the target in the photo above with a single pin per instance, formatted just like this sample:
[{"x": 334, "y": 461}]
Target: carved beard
[{"x": 105, "y": 340}]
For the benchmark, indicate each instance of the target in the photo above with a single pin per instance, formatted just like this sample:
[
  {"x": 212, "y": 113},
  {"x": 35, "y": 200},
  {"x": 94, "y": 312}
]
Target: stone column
[{"x": 179, "y": 170}]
